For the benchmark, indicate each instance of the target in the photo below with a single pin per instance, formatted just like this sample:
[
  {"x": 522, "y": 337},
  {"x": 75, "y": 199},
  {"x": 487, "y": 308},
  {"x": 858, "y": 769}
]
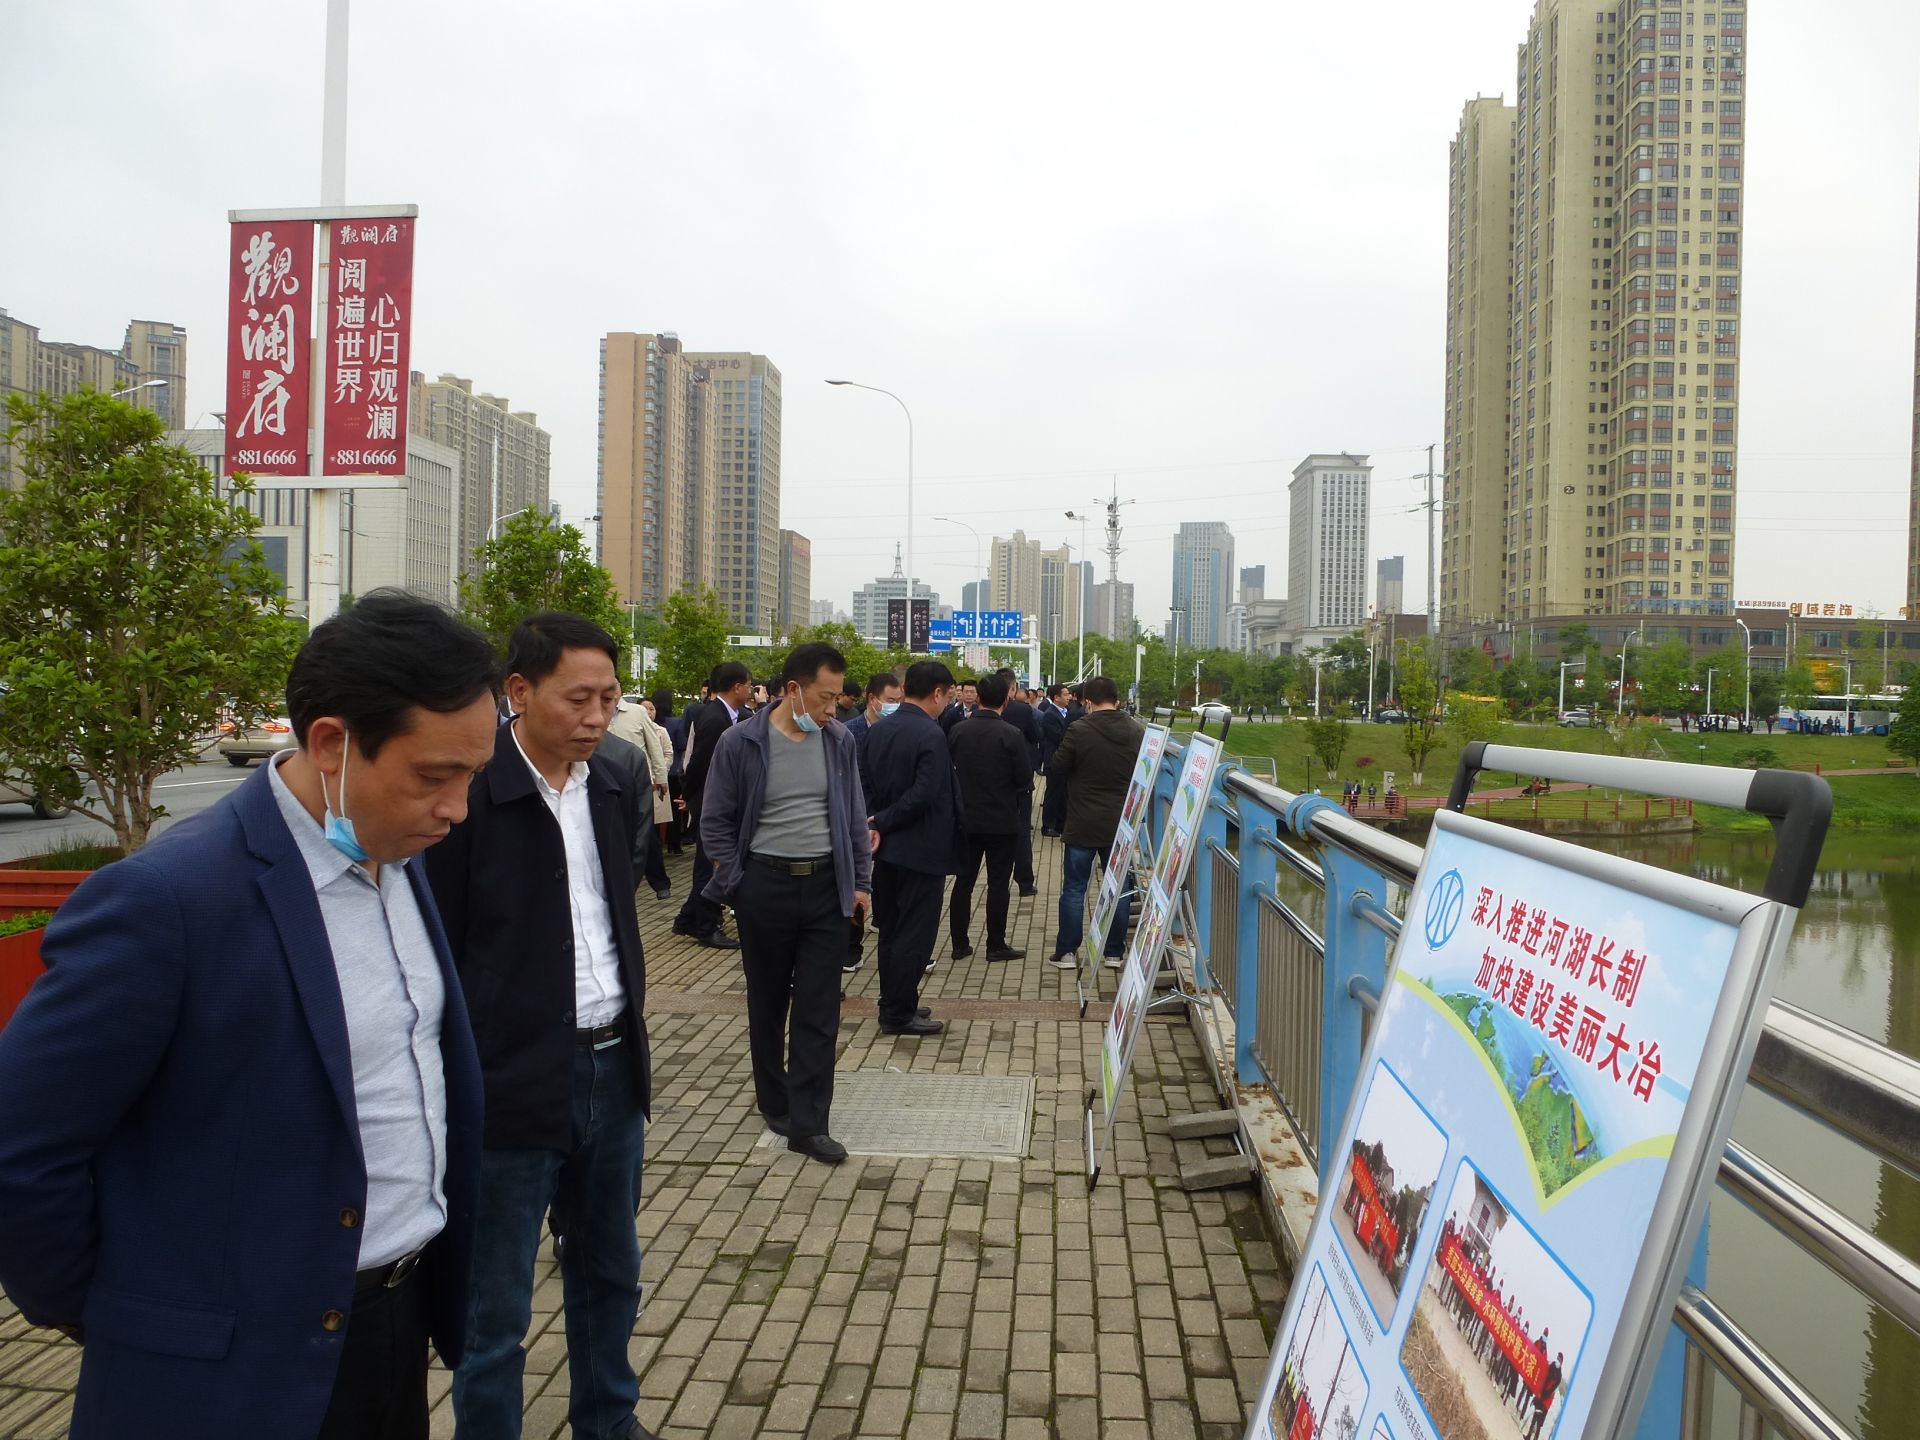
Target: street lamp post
[
  {"x": 1747, "y": 670},
  {"x": 855, "y": 384},
  {"x": 1849, "y": 701},
  {"x": 1620, "y": 700},
  {"x": 980, "y": 595},
  {"x": 1317, "y": 661},
  {"x": 499, "y": 520},
  {"x": 1080, "y": 658},
  {"x": 134, "y": 389},
  {"x": 1710, "y": 670},
  {"x": 1174, "y": 616}
]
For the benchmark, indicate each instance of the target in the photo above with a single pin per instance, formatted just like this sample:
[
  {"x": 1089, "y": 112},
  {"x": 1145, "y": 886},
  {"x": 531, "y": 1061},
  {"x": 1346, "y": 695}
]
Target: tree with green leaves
[
  {"x": 1666, "y": 678},
  {"x": 1419, "y": 696},
  {"x": 693, "y": 639},
  {"x": 864, "y": 658},
  {"x": 1903, "y": 736},
  {"x": 1798, "y": 684},
  {"x": 1769, "y": 690},
  {"x": 134, "y": 605},
  {"x": 535, "y": 564},
  {"x": 1327, "y": 739},
  {"x": 1470, "y": 718}
]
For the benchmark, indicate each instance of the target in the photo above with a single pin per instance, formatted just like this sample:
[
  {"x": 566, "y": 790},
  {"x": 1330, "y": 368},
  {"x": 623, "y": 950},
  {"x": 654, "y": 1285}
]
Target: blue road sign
[{"x": 989, "y": 625}]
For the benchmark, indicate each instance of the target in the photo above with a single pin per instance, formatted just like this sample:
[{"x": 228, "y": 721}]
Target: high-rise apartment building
[
  {"x": 506, "y": 459},
  {"x": 31, "y": 366},
  {"x": 1479, "y": 286},
  {"x": 1203, "y": 577},
  {"x": 157, "y": 350},
  {"x": 659, "y": 457},
  {"x": 1113, "y": 609},
  {"x": 1390, "y": 585},
  {"x": 743, "y": 405},
  {"x": 1327, "y": 544},
  {"x": 1622, "y": 319},
  {"x": 794, "y": 599},
  {"x": 1035, "y": 580}
]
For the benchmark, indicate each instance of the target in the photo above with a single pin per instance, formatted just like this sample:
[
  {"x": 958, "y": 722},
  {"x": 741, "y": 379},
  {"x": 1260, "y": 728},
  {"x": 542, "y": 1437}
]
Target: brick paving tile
[{"x": 938, "y": 1297}]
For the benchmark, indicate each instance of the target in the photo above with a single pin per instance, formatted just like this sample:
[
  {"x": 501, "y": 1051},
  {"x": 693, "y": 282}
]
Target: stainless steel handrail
[
  {"x": 1785, "y": 1403},
  {"x": 1863, "y": 1089}
]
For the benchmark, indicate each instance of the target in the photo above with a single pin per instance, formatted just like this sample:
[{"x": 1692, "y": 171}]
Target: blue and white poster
[{"x": 1484, "y": 1210}]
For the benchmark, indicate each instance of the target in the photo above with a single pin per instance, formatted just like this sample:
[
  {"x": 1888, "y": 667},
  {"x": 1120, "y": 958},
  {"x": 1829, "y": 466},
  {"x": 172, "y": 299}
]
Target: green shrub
[
  {"x": 20, "y": 924},
  {"x": 72, "y": 855}
]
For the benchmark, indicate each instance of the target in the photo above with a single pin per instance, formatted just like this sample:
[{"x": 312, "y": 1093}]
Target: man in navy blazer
[
  {"x": 917, "y": 818},
  {"x": 239, "y": 1147}
]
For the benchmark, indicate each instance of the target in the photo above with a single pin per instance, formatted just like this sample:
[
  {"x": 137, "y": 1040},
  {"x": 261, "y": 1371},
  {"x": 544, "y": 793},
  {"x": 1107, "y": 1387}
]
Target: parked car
[
  {"x": 244, "y": 743},
  {"x": 44, "y": 807},
  {"x": 1390, "y": 715},
  {"x": 1579, "y": 715}
]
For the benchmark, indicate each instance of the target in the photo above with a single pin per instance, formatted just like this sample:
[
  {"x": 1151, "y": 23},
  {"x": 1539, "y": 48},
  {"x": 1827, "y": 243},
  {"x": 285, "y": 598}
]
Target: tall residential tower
[{"x": 1327, "y": 536}]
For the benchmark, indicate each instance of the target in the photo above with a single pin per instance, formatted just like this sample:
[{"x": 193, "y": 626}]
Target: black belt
[
  {"x": 390, "y": 1276},
  {"x": 794, "y": 867},
  {"x": 601, "y": 1036}
]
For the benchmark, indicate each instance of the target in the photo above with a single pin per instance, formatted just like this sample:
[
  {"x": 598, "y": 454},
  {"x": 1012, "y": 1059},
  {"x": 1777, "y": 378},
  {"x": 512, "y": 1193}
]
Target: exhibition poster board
[{"x": 1117, "y": 876}]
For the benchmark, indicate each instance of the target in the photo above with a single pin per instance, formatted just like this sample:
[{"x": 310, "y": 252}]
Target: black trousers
[
  {"x": 656, "y": 874},
  {"x": 792, "y": 944},
  {"x": 698, "y": 915},
  {"x": 380, "y": 1391},
  {"x": 1001, "y": 852},
  {"x": 1023, "y": 845},
  {"x": 906, "y": 907},
  {"x": 1053, "y": 810}
]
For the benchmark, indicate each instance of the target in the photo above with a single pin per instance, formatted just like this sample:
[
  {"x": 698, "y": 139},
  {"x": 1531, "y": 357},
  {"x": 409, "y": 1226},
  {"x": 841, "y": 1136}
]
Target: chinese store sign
[
  {"x": 368, "y": 322},
  {"x": 269, "y": 328}
]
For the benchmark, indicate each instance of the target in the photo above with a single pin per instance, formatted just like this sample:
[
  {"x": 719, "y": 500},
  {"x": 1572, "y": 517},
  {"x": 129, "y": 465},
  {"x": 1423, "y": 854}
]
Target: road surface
[{"x": 183, "y": 793}]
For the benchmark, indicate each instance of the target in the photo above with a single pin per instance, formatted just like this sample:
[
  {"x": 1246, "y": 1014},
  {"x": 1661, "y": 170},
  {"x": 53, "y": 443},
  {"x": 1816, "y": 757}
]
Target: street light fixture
[
  {"x": 1566, "y": 665},
  {"x": 1747, "y": 635},
  {"x": 857, "y": 385},
  {"x": 980, "y": 595},
  {"x": 133, "y": 389},
  {"x": 1080, "y": 605}
]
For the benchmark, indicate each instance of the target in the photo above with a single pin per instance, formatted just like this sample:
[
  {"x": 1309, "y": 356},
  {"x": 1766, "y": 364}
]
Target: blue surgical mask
[
  {"x": 887, "y": 707},
  {"x": 339, "y": 829},
  {"x": 808, "y": 725}
]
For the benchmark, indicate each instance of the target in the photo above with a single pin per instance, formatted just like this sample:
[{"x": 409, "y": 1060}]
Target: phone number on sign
[
  {"x": 347, "y": 459},
  {"x": 266, "y": 457}
]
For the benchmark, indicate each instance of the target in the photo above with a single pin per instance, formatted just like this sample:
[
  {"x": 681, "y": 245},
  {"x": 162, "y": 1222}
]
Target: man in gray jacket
[{"x": 785, "y": 822}]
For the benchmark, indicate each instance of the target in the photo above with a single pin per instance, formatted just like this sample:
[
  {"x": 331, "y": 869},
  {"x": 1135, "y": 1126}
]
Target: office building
[
  {"x": 405, "y": 537},
  {"x": 743, "y": 398},
  {"x": 1622, "y": 319},
  {"x": 658, "y": 463},
  {"x": 1474, "y": 449},
  {"x": 971, "y": 594},
  {"x": 1203, "y": 577},
  {"x": 1038, "y": 581},
  {"x": 870, "y": 601},
  {"x": 1253, "y": 583},
  {"x": 1113, "y": 609},
  {"x": 1327, "y": 546},
  {"x": 794, "y": 599},
  {"x": 1390, "y": 585},
  {"x": 32, "y": 366},
  {"x": 506, "y": 459},
  {"x": 824, "y": 612}
]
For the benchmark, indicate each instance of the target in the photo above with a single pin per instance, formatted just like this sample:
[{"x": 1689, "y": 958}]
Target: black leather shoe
[
  {"x": 686, "y": 930},
  {"x": 916, "y": 1027},
  {"x": 923, "y": 1012},
  {"x": 639, "y": 1432},
  {"x": 1027, "y": 892},
  {"x": 823, "y": 1148},
  {"x": 1050, "y": 834},
  {"x": 1006, "y": 952},
  {"x": 661, "y": 892},
  {"x": 717, "y": 941},
  {"x": 962, "y": 952},
  {"x": 778, "y": 1124}
]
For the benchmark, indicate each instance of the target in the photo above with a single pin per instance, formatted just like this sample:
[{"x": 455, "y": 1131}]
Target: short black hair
[
  {"x": 662, "y": 703},
  {"x": 880, "y": 680},
  {"x": 390, "y": 653},
  {"x": 726, "y": 675},
  {"x": 851, "y": 690},
  {"x": 1055, "y": 691},
  {"x": 1007, "y": 673},
  {"x": 926, "y": 676},
  {"x": 1100, "y": 690},
  {"x": 538, "y": 642},
  {"x": 804, "y": 662},
  {"x": 993, "y": 690}
]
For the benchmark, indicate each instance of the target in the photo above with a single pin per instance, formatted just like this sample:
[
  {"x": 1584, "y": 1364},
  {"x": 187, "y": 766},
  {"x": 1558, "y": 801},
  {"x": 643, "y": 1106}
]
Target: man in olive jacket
[{"x": 1096, "y": 758}]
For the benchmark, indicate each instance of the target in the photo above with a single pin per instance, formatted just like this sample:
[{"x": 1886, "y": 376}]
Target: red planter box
[
  {"x": 24, "y": 891},
  {"x": 19, "y": 967}
]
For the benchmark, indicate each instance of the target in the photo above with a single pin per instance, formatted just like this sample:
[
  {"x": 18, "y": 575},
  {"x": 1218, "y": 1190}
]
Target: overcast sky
[{"x": 1183, "y": 246}]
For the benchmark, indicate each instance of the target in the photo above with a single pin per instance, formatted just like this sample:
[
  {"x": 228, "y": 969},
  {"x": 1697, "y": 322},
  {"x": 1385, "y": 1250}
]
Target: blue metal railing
[{"x": 1289, "y": 1002}]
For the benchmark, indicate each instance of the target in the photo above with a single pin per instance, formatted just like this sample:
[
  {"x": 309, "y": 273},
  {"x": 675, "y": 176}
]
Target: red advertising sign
[
  {"x": 269, "y": 346},
  {"x": 369, "y": 318}
]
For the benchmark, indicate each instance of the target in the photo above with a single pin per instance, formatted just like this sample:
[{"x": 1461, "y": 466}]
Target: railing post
[
  {"x": 1212, "y": 831},
  {"x": 1258, "y": 825}
]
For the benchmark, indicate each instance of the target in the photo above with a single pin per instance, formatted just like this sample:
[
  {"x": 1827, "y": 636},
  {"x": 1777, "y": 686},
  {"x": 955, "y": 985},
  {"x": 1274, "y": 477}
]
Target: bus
[{"x": 1872, "y": 714}]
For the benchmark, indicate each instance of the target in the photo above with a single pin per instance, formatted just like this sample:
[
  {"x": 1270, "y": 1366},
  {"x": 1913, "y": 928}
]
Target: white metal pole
[
  {"x": 323, "y": 502},
  {"x": 1080, "y": 601},
  {"x": 1709, "y": 690},
  {"x": 1747, "y": 635},
  {"x": 1433, "y": 613}
]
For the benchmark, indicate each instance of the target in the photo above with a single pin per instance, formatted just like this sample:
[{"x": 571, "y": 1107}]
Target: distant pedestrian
[
  {"x": 994, "y": 766},
  {"x": 786, "y": 823},
  {"x": 700, "y": 915},
  {"x": 1096, "y": 757},
  {"x": 1052, "y": 715},
  {"x": 883, "y": 698},
  {"x": 918, "y": 842},
  {"x": 1019, "y": 714},
  {"x": 675, "y": 729},
  {"x": 633, "y": 723}
]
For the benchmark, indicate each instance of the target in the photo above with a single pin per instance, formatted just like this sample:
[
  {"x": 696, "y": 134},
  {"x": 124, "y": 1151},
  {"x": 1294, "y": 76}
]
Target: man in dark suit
[
  {"x": 730, "y": 685},
  {"x": 960, "y": 705},
  {"x": 995, "y": 770},
  {"x": 537, "y": 889},
  {"x": 1052, "y": 715},
  {"x": 883, "y": 698},
  {"x": 241, "y": 1133},
  {"x": 1019, "y": 714},
  {"x": 918, "y": 840}
]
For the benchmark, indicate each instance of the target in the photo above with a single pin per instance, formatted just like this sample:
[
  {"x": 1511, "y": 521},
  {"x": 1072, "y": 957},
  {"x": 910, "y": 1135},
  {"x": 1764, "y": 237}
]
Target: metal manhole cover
[{"x": 883, "y": 1112}]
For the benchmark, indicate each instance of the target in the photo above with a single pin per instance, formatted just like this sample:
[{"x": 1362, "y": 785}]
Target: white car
[
  {"x": 43, "y": 808},
  {"x": 1579, "y": 715},
  {"x": 242, "y": 744}
]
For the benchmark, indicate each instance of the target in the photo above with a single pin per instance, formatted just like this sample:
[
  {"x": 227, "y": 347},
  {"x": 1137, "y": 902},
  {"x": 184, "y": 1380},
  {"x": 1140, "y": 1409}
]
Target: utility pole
[{"x": 1433, "y": 613}]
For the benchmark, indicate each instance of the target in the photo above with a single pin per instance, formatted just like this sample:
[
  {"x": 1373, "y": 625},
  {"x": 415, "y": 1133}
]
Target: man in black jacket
[
  {"x": 1019, "y": 714},
  {"x": 1097, "y": 756},
  {"x": 917, "y": 839},
  {"x": 536, "y": 889},
  {"x": 730, "y": 685},
  {"x": 1054, "y": 718},
  {"x": 995, "y": 771}
]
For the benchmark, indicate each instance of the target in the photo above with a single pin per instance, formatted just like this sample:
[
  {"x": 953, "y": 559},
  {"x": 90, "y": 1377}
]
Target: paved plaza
[{"x": 924, "y": 1296}]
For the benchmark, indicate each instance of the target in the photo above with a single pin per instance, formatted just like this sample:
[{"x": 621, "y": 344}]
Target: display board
[
  {"x": 1507, "y": 1212},
  {"x": 1117, "y": 877},
  {"x": 1199, "y": 770}
]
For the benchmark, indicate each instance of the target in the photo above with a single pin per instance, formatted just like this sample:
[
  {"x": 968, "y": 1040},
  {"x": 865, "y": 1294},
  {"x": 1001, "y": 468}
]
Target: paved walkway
[{"x": 899, "y": 1297}]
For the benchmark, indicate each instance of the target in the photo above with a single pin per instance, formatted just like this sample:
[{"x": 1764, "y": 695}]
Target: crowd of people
[
  {"x": 309, "y": 1077},
  {"x": 1510, "y": 1383}
]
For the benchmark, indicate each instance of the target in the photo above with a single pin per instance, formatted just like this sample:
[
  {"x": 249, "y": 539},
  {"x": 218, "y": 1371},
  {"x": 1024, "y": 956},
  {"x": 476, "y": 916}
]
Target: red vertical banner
[
  {"x": 269, "y": 346},
  {"x": 369, "y": 319}
]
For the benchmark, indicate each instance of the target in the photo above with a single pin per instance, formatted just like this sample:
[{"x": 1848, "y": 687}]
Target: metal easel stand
[
  {"x": 1190, "y": 927},
  {"x": 1142, "y": 865}
]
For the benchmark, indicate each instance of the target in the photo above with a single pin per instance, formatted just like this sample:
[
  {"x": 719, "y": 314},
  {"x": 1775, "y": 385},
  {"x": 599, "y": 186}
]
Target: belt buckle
[
  {"x": 800, "y": 869},
  {"x": 402, "y": 1268},
  {"x": 614, "y": 1036}
]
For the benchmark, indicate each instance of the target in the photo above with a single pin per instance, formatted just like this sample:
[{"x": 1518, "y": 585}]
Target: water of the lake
[{"x": 1856, "y": 960}]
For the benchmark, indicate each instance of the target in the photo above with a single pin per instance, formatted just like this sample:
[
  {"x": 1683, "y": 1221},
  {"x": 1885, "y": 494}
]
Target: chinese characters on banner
[
  {"x": 269, "y": 330},
  {"x": 366, "y": 350}
]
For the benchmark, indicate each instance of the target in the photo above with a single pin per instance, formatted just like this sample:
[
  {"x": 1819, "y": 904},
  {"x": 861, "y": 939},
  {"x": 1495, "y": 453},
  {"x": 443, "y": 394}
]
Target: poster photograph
[
  {"x": 1117, "y": 1044},
  {"x": 1386, "y": 1192},
  {"x": 1499, "y": 1324},
  {"x": 1322, "y": 1390},
  {"x": 1197, "y": 764}
]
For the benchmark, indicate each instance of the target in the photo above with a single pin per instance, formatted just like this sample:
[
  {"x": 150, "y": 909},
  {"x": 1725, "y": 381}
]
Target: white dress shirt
[{"x": 598, "y": 996}]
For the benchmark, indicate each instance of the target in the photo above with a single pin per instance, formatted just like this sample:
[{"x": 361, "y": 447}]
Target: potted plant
[
  {"x": 19, "y": 958},
  {"x": 43, "y": 882}
]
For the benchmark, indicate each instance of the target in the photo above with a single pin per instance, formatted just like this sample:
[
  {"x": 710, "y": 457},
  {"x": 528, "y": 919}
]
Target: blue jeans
[
  {"x": 595, "y": 1192},
  {"x": 1075, "y": 874}
]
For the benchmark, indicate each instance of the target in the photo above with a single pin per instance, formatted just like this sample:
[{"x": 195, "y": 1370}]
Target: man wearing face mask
[
  {"x": 785, "y": 822},
  {"x": 537, "y": 890},
  {"x": 240, "y": 1142}
]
